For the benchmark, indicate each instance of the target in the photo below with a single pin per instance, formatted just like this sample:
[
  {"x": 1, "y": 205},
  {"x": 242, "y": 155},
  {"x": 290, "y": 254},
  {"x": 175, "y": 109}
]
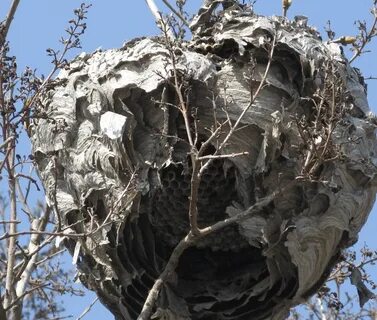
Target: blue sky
[{"x": 40, "y": 23}]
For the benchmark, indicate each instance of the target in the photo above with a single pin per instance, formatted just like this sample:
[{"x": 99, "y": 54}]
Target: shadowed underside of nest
[{"x": 113, "y": 156}]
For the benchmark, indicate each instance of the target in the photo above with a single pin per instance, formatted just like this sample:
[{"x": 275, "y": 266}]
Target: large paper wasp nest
[{"x": 112, "y": 153}]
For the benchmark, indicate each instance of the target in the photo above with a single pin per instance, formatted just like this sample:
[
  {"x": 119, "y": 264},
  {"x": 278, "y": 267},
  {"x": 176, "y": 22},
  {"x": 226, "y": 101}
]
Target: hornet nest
[{"x": 113, "y": 154}]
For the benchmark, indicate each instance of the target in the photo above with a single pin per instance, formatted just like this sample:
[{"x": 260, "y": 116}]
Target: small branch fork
[
  {"x": 177, "y": 13},
  {"x": 365, "y": 36},
  {"x": 191, "y": 239}
]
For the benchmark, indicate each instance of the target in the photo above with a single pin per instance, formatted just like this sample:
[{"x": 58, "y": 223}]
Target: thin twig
[
  {"x": 193, "y": 199},
  {"x": 224, "y": 156},
  {"x": 32, "y": 180},
  {"x": 25, "y": 294},
  {"x": 254, "y": 96},
  {"x": 9, "y": 221},
  {"x": 49, "y": 257},
  {"x": 55, "y": 234},
  {"x": 158, "y": 17},
  {"x": 23, "y": 200},
  {"x": 246, "y": 214},
  {"x": 87, "y": 309},
  {"x": 177, "y": 13}
]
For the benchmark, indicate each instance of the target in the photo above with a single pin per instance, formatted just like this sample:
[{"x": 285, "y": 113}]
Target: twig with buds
[{"x": 286, "y": 5}]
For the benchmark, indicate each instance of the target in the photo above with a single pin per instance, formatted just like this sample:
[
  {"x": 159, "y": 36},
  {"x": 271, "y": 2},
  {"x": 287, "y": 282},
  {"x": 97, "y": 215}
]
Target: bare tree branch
[
  {"x": 4, "y": 27},
  {"x": 5, "y": 143},
  {"x": 10, "y": 294},
  {"x": 366, "y": 36}
]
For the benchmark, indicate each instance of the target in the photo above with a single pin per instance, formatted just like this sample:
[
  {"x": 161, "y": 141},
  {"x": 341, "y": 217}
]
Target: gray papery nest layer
[{"x": 114, "y": 163}]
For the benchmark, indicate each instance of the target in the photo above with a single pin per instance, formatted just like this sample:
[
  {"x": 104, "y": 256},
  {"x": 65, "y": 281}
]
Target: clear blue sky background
[{"x": 40, "y": 23}]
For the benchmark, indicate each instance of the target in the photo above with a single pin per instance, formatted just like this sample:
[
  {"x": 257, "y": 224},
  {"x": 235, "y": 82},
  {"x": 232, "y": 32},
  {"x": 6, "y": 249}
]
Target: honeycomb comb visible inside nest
[{"x": 217, "y": 190}]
